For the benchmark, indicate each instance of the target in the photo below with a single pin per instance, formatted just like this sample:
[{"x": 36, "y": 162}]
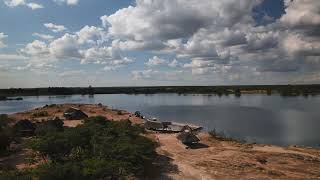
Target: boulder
[{"x": 74, "y": 114}]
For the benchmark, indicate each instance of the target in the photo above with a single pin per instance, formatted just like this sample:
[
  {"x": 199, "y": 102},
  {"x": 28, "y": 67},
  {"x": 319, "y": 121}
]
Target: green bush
[
  {"x": 15, "y": 175},
  {"x": 5, "y": 140},
  {"x": 40, "y": 114},
  {"x": 6, "y": 135},
  {"x": 98, "y": 149},
  {"x": 4, "y": 120},
  {"x": 50, "y": 126}
]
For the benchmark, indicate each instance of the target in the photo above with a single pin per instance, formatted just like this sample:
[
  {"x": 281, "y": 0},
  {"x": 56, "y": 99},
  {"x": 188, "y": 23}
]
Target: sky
[{"x": 75, "y": 43}]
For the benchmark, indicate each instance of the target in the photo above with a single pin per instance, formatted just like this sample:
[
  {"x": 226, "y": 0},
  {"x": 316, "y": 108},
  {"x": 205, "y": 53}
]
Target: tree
[
  {"x": 50, "y": 126},
  {"x": 6, "y": 135},
  {"x": 98, "y": 149},
  {"x": 237, "y": 92}
]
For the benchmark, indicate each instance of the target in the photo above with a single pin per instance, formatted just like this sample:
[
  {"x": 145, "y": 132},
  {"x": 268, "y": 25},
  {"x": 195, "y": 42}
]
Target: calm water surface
[{"x": 255, "y": 118}]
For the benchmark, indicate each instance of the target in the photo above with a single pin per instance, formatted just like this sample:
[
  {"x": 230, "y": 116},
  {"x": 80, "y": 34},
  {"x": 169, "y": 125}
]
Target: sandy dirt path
[{"x": 216, "y": 159}]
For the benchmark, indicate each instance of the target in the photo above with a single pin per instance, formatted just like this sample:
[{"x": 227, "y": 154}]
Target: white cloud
[
  {"x": 36, "y": 48},
  {"x": 55, "y": 28},
  {"x": 156, "y": 75},
  {"x": 120, "y": 62},
  {"x": 262, "y": 40},
  {"x": 68, "y": 2},
  {"x": 104, "y": 21},
  {"x": 2, "y": 37},
  {"x": 116, "y": 64},
  {"x": 90, "y": 35},
  {"x": 174, "y": 63},
  {"x": 34, "y": 6},
  {"x": 156, "y": 61},
  {"x": 295, "y": 44},
  {"x": 176, "y": 18},
  {"x": 15, "y": 3},
  {"x": 145, "y": 74},
  {"x": 65, "y": 47},
  {"x": 43, "y": 36},
  {"x": 10, "y": 57},
  {"x": 98, "y": 55},
  {"x": 217, "y": 39},
  {"x": 200, "y": 67},
  {"x": 301, "y": 13},
  {"x": 87, "y": 45},
  {"x": 71, "y": 73}
]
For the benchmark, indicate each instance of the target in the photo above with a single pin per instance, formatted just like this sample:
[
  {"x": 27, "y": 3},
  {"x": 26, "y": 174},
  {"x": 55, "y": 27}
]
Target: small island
[
  {"x": 93, "y": 141},
  {"x": 4, "y": 98}
]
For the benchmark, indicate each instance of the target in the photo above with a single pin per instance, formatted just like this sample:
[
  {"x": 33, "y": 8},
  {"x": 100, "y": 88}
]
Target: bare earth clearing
[{"x": 212, "y": 159}]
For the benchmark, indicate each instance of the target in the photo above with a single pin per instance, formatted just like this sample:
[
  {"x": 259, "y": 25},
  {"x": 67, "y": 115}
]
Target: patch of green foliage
[
  {"x": 40, "y": 114},
  {"x": 98, "y": 149},
  {"x": 55, "y": 125},
  {"x": 6, "y": 134},
  {"x": 16, "y": 175}
]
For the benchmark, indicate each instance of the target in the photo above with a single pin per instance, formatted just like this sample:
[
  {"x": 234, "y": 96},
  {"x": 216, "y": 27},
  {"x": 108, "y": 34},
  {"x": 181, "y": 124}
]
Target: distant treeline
[{"x": 284, "y": 90}]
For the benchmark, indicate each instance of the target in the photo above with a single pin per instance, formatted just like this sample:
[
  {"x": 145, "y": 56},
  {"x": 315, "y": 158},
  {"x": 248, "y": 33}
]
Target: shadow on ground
[
  {"x": 162, "y": 167},
  {"x": 197, "y": 146}
]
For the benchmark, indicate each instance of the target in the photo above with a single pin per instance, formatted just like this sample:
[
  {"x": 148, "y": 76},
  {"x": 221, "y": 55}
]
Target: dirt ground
[{"x": 211, "y": 159}]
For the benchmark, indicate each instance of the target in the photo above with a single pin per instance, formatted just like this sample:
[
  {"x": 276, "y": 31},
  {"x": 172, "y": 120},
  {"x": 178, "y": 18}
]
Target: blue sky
[{"x": 149, "y": 42}]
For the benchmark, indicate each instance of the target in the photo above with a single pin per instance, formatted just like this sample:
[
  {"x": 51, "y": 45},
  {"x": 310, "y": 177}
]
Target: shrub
[
  {"x": 15, "y": 175},
  {"x": 6, "y": 135},
  {"x": 50, "y": 126},
  {"x": 4, "y": 120},
  {"x": 98, "y": 149},
  {"x": 5, "y": 140},
  {"x": 40, "y": 114}
]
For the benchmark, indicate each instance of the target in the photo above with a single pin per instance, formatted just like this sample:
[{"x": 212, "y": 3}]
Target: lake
[{"x": 252, "y": 117}]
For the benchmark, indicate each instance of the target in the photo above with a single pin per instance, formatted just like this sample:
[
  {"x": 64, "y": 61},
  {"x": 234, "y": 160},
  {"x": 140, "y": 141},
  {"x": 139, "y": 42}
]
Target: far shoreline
[{"x": 237, "y": 90}]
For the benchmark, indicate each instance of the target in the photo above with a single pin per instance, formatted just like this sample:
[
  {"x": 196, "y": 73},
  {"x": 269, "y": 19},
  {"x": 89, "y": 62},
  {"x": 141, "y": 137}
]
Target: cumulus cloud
[
  {"x": 118, "y": 63},
  {"x": 68, "y": 2},
  {"x": 10, "y": 57},
  {"x": 174, "y": 63},
  {"x": 15, "y": 3},
  {"x": 200, "y": 67},
  {"x": 300, "y": 13},
  {"x": 157, "y": 75},
  {"x": 156, "y": 61},
  {"x": 296, "y": 44},
  {"x": 104, "y": 21},
  {"x": 90, "y": 35},
  {"x": 262, "y": 40},
  {"x": 221, "y": 36},
  {"x": 34, "y": 6},
  {"x": 65, "y": 47},
  {"x": 215, "y": 38},
  {"x": 71, "y": 73},
  {"x": 176, "y": 18},
  {"x": 86, "y": 45},
  {"x": 36, "y": 48},
  {"x": 43, "y": 36},
  {"x": 2, "y": 37},
  {"x": 99, "y": 55},
  {"x": 55, "y": 28}
]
